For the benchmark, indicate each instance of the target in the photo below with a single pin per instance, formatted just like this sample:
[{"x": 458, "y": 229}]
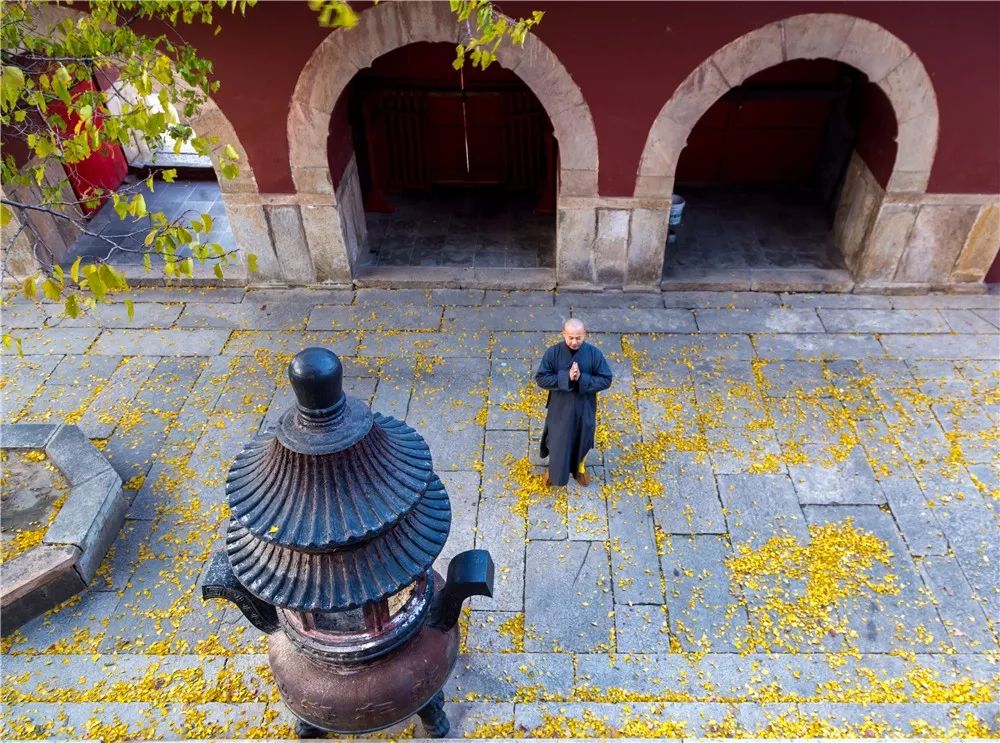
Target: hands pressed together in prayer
[{"x": 574, "y": 372}]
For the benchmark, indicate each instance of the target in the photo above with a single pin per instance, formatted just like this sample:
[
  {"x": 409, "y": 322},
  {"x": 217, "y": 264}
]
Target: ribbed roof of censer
[
  {"x": 325, "y": 501},
  {"x": 333, "y": 506},
  {"x": 345, "y": 578}
]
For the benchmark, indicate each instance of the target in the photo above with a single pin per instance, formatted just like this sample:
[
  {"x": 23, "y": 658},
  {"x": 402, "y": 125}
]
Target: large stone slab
[
  {"x": 914, "y": 515},
  {"x": 405, "y": 297},
  {"x": 514, "y": 318},
  {"x": 758, "y": 320},
  {"x": 883, "y": 321},
  {"x": 106, "y": 409},
  {"x": 567, "y": 597},
  {"x": 501, "y": 527},
  {"x": 826, "y": 479},
  {"x": 940, "y": 347},
  {"x": 692, "y": 348},
  {"x": 84, "y": 370},
  {"x": 721, "y": 300},
  {"x": 194, "y": 342},
  {"x": 256, "y": 315},
  {"x": 970, "y": 528},
  {"x": 410, "y": 343},
  {"x": 637, "y": 320},
  {"x": 635, "y": 565},
  {"x": 759, "y": 507},
  {"x": 642, "y": 628},
  {"x": 972, "y": 321},
  {"x": 703, "y": 606},
  {"x": 839, "y": 301},
  {"x": 271, "y": 343},
  {"x": 495, "y": 297},
  {"x": 603, "y": 721},
  {"x": 145, "y": 315},
  {"x": 52, "y": 341},
  {"x": 816, "y": 346},
  {"x": 463, "y": 492},
  {"x": 388, "y": 317},
  {"x": 608, "y": 298},
  {"x": 443, "y": 407},
  {"x": 690, "y": 501}
]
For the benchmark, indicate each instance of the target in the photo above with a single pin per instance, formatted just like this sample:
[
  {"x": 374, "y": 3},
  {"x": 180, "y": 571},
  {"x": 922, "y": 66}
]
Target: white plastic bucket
[{"x": 676, "y": 209}]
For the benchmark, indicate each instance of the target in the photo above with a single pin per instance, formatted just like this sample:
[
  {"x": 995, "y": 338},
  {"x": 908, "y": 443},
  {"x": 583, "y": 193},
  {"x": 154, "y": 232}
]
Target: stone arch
[
  {"x": 869, "y": 229},
  {"x": 381, "y": 29},
  {"x": 885, "y": 59}
]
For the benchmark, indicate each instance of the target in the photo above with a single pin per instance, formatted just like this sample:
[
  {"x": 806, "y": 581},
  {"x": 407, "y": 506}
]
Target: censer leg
[
  {"x": 304, "y": 730},
  {"x": 432, "y": 715}
]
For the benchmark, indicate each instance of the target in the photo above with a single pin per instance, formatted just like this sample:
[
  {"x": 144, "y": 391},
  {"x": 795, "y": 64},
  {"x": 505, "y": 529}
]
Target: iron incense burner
[{"x": 336, "y": 519}]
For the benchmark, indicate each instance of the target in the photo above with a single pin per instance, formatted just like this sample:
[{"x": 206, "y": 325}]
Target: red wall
[{"x": 628, "y": 58}]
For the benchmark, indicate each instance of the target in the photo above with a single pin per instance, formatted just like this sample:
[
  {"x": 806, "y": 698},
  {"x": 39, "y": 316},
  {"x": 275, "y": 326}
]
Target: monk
[{"x": 573, "y": 372}]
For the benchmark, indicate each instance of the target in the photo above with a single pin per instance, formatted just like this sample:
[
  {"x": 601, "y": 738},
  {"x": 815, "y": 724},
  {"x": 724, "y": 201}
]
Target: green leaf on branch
[
  {"x": 252, "y": 263},
  {"x": 72, "y": 307},
  {"x": 51, "y": 290}
]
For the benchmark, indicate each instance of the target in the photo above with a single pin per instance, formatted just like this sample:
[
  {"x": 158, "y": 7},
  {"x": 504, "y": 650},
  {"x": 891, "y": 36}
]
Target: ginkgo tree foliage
[{"x": 160, "y": 82}]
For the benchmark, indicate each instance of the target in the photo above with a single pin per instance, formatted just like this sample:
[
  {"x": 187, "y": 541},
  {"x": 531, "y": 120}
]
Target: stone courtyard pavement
[{"x": 792, "y": 529}]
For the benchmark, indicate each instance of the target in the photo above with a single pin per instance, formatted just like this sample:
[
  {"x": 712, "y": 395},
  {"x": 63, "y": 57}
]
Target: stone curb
[{"x": 81, "y": 533}]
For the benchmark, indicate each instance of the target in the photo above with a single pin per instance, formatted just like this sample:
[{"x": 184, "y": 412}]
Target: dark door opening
[
  {"x": 456, "y": 168},
  {"x": 763, "y": 171}
]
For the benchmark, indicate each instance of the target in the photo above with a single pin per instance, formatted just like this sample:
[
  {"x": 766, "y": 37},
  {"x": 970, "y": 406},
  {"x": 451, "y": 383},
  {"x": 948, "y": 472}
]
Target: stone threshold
[
  {"x": 454, "y": 277},
  {"x": 837, "y": 281}
]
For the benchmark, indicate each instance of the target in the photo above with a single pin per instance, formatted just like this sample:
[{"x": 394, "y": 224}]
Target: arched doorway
[
  {"x": 868, "y": 229},
  {"x": 763, "y": 172},
  {"x": 334, "y": 199},
  {"x": 456, "y": 168}
]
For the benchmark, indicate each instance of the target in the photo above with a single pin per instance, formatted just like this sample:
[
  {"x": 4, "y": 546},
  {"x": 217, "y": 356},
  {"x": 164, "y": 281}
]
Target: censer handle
[
  {"x": 219, "y": 582},
  {"x": 470, "y": 573}
]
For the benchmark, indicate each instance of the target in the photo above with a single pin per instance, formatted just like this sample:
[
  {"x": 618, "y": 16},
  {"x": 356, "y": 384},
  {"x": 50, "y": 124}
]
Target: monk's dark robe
[{"x": 572, "y": 406}]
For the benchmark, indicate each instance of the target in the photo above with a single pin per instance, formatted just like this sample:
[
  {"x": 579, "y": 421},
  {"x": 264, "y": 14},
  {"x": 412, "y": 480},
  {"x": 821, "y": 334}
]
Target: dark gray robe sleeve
[
  {"x": 599, "y": 379},
  {"x": 549, "y": 377}
]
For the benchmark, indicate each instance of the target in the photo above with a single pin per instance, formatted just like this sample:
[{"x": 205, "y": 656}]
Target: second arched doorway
[{"x": 869, "y": 228}]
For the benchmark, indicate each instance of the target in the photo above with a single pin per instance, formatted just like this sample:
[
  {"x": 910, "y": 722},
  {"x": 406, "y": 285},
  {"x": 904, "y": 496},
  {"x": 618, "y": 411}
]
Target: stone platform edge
[{"x": 81, "y": 533}]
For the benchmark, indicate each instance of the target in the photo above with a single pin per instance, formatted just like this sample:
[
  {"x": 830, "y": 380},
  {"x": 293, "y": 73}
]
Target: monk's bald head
[{"x": 574, "y": 332}]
